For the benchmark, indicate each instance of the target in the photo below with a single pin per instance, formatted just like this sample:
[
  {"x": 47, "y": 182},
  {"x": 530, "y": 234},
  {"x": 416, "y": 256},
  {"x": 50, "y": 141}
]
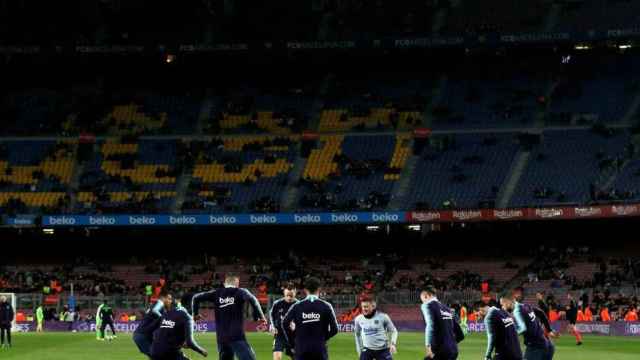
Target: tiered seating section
[
  {"x": 388, "y": 102},
  {"x": 595, "y": 92},
  {"x": 460, "y": 171},
  {"x": 353, "y": 172},
  {"x": 240, "y": 173},
  {"x": 599, "y": 14},
  {"x": 279, "y": 107},
  {"x": 565, "y": 165},
  {"x": 34, "y": 176},
  {"x": 482, "y": 17},
  {"x": 503, "y": 95},
  {"x": 125, "y": 177}
]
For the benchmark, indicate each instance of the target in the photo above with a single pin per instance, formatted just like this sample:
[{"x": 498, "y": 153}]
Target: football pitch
[{"x": 83, "y": 346}]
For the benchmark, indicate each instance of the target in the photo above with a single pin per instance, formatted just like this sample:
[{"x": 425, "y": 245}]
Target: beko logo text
[
  {"x": 62, "y": 220},
  {"x": 310, "y": 317},
  {"x": 307, "y": 218},
  {"x": 262, "y": 219},
  {"x": 142, "y": 220},
  {"x": 182, "y": 220},
  {"x": 384, "y": 217},
  {"x": 343, "y": 218},
  {"x": 224, "y": 219},
  {"x": 102, "y": 220}
]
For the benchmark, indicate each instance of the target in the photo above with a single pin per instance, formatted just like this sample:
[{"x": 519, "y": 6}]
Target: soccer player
[
  {"x": 376, "y": 336},
  {"x": 99, "y": 322},
  {"x": 106, "y": 319},
  {"x": 228, "y": 303},
  {"x": 6, "y": 318},
  {"x": 39, "y": 319},
  {"x": 175, "y": 331},
  {"x": 538, "y": 347},
  {"x": 542, "y": 304},
  {"x": 278, "y": 310},
  {"x": 572, "y": 317},
  {"x": 310, "y": 323},
  {"x": 501, "y": 334},
  {"x": 463, "y": 319},
  {"x": 442, "y": 333},
  {"x": 143, "y": 335}
]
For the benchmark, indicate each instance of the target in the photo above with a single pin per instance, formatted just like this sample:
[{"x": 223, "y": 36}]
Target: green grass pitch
[{"x": 83, "y": 346}]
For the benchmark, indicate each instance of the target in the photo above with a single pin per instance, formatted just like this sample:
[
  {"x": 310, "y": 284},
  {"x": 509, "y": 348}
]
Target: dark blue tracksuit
[
  {"x": 442, "y": 332},
  {"x": 278, "y": 310},
  {"x": 528, "y": 325},
  {"x": 143, "y": 336},
  {"x": 315, "y": 323},
  {"x": 6, "y": 318},
  {"x": 176, "y": 329},
  {"x": 501, "y": 335},
  {"x": 228, "y": 304}
]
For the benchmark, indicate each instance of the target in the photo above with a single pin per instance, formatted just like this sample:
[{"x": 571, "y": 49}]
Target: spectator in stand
[
  {"x": 632, "y": 315},
  {"x": 604, "y": 314}
]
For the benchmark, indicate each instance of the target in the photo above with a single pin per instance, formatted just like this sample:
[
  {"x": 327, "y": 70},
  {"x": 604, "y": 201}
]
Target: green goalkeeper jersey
[
  {"x": 99, "y": 314},
  {"x": 39, "y": 314}
]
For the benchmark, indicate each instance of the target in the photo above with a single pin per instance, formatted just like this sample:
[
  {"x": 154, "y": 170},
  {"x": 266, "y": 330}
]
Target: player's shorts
[
  {"x": 315, "y": 355},
  {"x": 551, "y": 350},
  {"x": 241, "y": 349},
  {"x": 439, "y": 356},
  {"x": 536, "y": 353},
  {"x": 173, "y": 356},
  {"x": 368, "y": 354},
  {"x": 505, "y": 357},
  {"x": 280, "y": 344},
  {"x": 143, "y": 343}
]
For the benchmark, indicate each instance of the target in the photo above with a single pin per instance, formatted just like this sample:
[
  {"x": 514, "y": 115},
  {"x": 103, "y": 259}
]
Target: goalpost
[{"x": 11, "y": 298}]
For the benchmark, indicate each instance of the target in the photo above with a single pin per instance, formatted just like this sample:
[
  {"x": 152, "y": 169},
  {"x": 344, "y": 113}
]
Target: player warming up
[
  {"x": 538, "y": 347},
  {"x": 39, "y": 319},
  {"x": 572, "y": 317},
  {"x": 310, "y": 323},
  {"x": 278, "y": 310},
  {"x": 442, "y": 333},
  {"x": 99, "y": 322},
  {"x": 6, "y": 318},
  {"x": 228, "y": 304},
  {"x": 175, "y": 331},
  {"x": 502, "y": 337},
  {"x": 143, "y": 335},
  {"x": 106, "y": 319},
  {"x": 376, "y": 336}
]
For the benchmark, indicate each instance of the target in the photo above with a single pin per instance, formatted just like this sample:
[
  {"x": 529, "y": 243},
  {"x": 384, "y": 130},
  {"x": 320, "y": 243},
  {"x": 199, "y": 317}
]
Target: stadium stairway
[
  {"x": 541, "y": 116},
  {"x": 205, "y": 111},
  {"x": 427, "y": 114},
  {"x": 517, "y": 169},
  {"x": 290, "y": 196},
  {"x": 439, "y": 19},
  {"x": 78, "y": 169},
  {"x": 632, "y": 111},
  {"x": 402, "y": 187},
  {"x": 554, "y": 16},
  {"x": 318, "y": 103},
  {"x": 182, "y": 187}
]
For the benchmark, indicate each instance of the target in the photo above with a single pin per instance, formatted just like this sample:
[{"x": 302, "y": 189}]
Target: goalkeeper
[
  {"x": 463, "y": 319},
  {"x": 39, "y": 319},
  {"x": 99, "y": 322}
]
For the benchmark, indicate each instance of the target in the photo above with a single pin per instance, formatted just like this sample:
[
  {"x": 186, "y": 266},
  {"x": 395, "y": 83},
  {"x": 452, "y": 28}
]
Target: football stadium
[{"x": 320, "y": 179}]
